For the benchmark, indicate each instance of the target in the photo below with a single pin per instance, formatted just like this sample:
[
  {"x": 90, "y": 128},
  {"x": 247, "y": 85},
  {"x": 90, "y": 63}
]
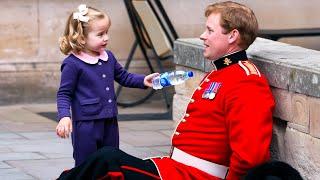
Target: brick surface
[
  {"x": 314, "y": 117},
  {"x": 302, "y": 152},
  {"x": 300, "y": 113},
  {"x": 283, "y": 109},
  {"x": 19, "y": 29}
]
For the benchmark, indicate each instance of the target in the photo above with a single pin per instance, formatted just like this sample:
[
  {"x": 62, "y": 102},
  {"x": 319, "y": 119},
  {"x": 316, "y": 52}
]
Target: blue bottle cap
[
  {"x": 164, "y": 82},
  {"x": 190, "y": 74}
]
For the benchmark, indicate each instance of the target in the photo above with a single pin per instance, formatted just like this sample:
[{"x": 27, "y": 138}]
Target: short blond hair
[
  {"x": 236, "y": 16},
  {"x": 76, "y": 30}
]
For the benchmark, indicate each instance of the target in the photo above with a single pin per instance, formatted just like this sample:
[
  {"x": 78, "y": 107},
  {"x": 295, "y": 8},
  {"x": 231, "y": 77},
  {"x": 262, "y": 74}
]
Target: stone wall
[
  {"x": 38, "y": 82},
  {"x": 294, "y": 76},
  {"x": 30, "y": 29},
  {"x": 28, "y": 82},
  {"x": 29, "y": 52}
]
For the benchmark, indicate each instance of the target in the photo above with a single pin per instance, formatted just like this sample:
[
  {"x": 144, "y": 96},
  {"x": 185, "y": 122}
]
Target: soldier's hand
[{"x": 64, "y": 127}]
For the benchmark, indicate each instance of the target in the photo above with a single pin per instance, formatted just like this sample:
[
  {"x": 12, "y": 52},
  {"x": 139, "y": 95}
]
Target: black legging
[{"x": 112, "y": 163}]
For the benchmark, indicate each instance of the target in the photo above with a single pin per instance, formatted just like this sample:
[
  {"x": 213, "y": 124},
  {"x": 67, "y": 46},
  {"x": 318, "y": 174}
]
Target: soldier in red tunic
[{"x": 227, "y": 126}]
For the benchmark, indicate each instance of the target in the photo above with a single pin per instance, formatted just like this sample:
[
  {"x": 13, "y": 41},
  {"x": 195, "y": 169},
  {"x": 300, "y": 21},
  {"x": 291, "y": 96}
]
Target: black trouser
[{"x": 112, "y": 163}]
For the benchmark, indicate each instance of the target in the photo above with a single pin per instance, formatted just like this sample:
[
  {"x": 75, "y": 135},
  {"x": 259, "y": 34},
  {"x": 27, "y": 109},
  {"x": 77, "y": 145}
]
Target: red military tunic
[{"x": 233, "y": 129}]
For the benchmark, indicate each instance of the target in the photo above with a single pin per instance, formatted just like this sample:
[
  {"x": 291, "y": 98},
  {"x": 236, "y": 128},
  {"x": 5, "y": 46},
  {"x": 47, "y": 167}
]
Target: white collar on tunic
[{"x": 92, "y": 59}]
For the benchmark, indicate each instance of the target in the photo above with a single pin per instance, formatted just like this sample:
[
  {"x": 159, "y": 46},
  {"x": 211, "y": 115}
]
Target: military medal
[
  {"x": 205, "y": 95},
  {"x": 214, "y": 87},
  {"x": 207, "y": 92},
  {"x": 212, "y": 95}
]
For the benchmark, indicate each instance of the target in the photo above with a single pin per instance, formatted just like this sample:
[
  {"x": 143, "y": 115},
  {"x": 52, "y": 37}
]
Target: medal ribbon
[{"x": 216, "y": 87}]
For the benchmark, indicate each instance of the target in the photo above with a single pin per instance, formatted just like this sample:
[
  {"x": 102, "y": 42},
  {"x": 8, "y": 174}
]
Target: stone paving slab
[
  {"x": 149, "y": 107},
  {"x": 145, "y": 138},
  {"x": 163, "y": 150},
  {"x": 142, "y": 152},
  {"x": 167, "y": 132},
  {"x": 4, "y": 165},
  {"x": 30, "y": 127},
  {"x": 36, "y": 108},
  {"x": 7, "y": 143},
  {"x": 20, "y": 156},
  {"x": 57, "y": 155},
  {"x": 10, "y": 136},
  {"x": 38, "y": 135},
  {"x": 146, "y": 125},
  {"x": 16, "y": 174},
  {"x": 3, "y": 129},
  {"x": 5, "y": 149},
  {"x": 17, "y": 114},
  {"x": 36, "y": 167},
  {"x": 43, "y": 147},
  {"x": 30, "y": 149}
]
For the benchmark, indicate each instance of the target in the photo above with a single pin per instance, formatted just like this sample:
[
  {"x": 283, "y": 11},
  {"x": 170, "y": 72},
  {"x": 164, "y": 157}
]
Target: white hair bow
[{"x": 80, "y": 15}]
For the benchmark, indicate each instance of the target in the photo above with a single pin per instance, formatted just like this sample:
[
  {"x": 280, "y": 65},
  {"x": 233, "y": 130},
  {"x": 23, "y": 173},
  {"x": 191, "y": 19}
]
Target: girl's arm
[
  {"x": 69, "y": 77},
  {"x": 124, "y": 78},
  {"x": 65, "y": 93}
]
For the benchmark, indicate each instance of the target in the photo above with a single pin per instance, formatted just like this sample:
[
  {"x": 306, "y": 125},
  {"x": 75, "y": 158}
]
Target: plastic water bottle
[{"x": 170, "y": 78}]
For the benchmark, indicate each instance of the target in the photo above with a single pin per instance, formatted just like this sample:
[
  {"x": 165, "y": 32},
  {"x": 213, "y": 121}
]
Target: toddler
[{"x": 87, "y": 84}]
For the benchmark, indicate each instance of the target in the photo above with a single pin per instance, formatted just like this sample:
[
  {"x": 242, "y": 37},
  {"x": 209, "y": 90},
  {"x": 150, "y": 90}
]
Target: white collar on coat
[{"x": 92, "y": 59}]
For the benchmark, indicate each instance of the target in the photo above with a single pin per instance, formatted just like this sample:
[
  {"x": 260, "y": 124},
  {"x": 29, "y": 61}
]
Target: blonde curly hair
[{"x": 76, "y": 31}]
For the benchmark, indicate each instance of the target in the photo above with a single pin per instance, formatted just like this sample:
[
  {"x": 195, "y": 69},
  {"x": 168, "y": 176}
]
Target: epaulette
[{"x": 249, "y": 68}]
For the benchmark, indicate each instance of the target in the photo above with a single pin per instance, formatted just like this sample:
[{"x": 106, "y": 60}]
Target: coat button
[
  {"x": 207, "y": 80},
  {"x": 99, "y": 63},
  {"x": 183, "y": 120},
  {"x": 107, "y": 88},
  {"x": 187, "y": 115},
  {"x": 191, "y": 100},
  {"x": 199, "y": 88},
  {"x": 104, "y": 76},
  {"x": 109, "y": 101},
  {"x": 176, "y": 133}
]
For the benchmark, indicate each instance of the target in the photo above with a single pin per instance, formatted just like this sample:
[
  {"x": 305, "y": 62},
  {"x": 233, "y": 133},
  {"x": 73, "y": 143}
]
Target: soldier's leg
[{"x": 112, "y": 163}]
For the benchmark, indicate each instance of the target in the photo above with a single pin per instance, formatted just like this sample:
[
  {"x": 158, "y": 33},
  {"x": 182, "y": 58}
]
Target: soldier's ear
[{"x": 234, "y": 35}]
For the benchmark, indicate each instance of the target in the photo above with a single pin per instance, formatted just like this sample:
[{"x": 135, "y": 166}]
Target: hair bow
[{"x": 80, "y": 15}]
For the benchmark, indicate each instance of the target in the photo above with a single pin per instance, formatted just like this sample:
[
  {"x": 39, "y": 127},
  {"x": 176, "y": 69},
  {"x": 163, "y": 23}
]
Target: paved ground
[{"x": 30, "y": 149}]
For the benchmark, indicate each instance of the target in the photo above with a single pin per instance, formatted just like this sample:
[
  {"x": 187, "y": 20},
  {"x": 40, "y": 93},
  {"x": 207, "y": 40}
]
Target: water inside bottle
[
  {"x": 178, "y": 78},
  {"x": 171, "y": 78},
  {"x": 156, "y": 83}
]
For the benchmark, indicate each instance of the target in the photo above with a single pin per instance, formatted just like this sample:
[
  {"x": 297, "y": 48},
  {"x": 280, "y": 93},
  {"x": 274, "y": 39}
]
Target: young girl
[{"x": 87, "y": 84}]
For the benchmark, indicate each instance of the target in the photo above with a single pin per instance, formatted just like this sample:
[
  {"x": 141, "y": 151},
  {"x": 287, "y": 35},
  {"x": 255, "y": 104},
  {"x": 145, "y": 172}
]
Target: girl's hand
[
  {"x": 64, "y": 127},
  {"x": 148, "y": 79}
]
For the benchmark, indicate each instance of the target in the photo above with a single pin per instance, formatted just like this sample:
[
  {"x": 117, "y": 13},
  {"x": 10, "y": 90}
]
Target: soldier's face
[{"x": 215, "y": 41}]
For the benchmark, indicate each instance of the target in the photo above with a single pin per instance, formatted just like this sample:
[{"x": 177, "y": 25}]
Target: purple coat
[{"x": 89, "y": 88}]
